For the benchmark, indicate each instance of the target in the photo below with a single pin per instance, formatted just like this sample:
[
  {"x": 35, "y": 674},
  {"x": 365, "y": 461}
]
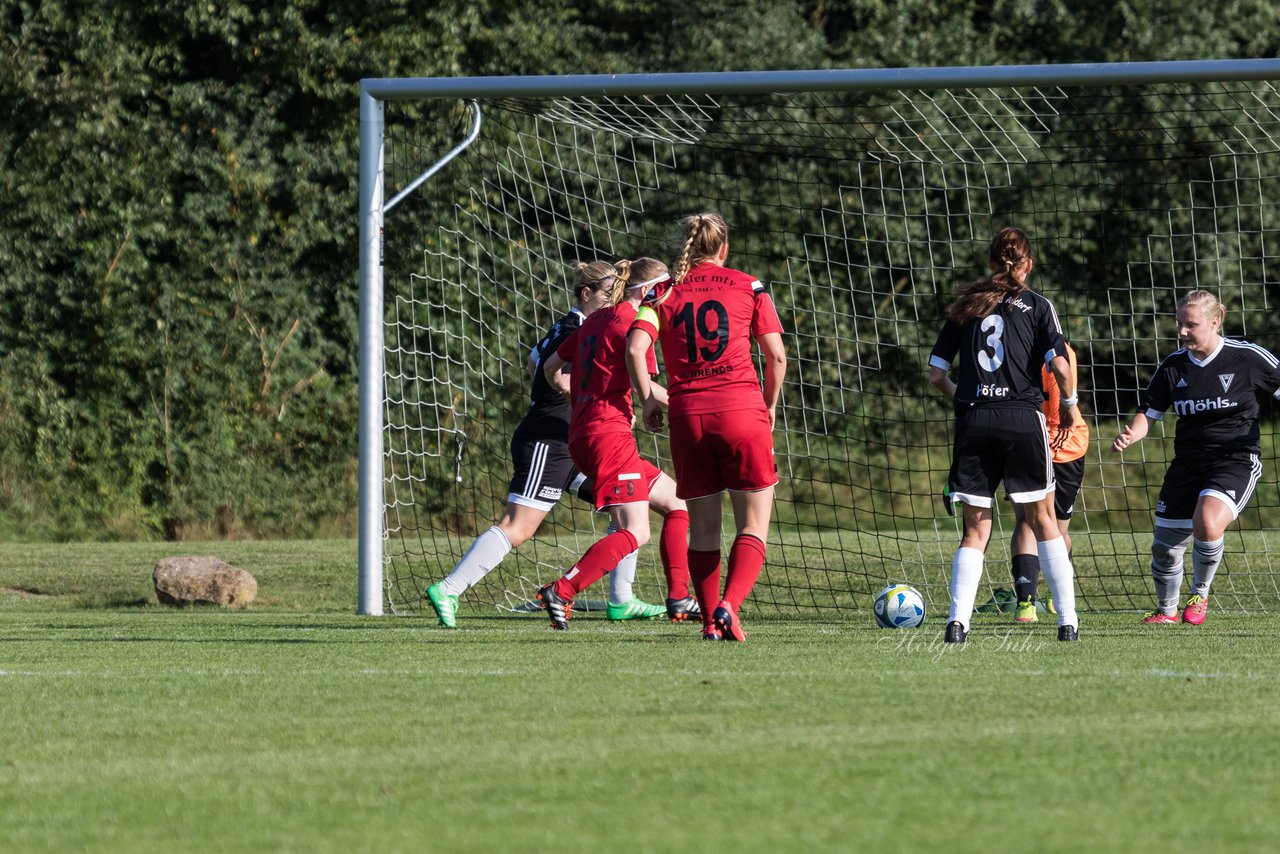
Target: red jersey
[
  {"x": 599, "y": 385},
  {"x": 705, "y": 327}
]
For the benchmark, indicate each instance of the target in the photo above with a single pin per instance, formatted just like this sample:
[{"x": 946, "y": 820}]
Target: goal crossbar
[{"x": 832, "y": 80}]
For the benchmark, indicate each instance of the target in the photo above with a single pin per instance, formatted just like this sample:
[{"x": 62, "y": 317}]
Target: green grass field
[{"x": 296, "y": 725}]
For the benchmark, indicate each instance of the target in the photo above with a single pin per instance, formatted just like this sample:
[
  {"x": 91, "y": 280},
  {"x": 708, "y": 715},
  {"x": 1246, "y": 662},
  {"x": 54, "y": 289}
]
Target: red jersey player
[
  {"x": 603, "y": 446},
  {"x": 721, "y": 424},
  {"x": 543, "y": 471}
]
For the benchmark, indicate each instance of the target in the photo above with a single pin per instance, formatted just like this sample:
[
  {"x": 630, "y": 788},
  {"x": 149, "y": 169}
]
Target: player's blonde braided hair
[
  {"x": 682, "y": 262},
  {"x": 698, "y": 238}
]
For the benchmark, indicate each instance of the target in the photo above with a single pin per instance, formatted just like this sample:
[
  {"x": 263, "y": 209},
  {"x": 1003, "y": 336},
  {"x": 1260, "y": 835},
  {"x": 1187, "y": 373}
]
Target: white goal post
[{"x": 891, "y": 177}]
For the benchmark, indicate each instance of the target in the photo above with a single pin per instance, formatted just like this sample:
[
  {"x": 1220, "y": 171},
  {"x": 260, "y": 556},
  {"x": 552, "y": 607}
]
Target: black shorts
[
  {"x": 997, "y": 444},
  {"x": 544, "y": 471},
  {"x": 1068, "y": 477},
  {"x": 1229, "y": 476}
]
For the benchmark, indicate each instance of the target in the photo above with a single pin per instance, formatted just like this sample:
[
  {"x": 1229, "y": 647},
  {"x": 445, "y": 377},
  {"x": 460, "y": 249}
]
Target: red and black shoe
[
  {"x": 679, "y": 610},
  {"x": 727, "y": 623},
  {"x": 558, "y": 608}
]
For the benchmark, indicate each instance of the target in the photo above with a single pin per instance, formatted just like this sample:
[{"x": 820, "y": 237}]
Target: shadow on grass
[
  {"x": 115, "y": 601},
  {"x": 168, "y": 640}
]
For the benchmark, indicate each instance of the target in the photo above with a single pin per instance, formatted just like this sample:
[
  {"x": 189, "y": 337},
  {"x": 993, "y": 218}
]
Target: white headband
[{"x": 650, "y": 283}]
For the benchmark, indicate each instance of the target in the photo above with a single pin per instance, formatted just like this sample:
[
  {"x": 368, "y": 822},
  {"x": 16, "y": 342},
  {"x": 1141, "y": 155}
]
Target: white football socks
[
  {"x": 1167, "y": 548},
  {"x": 966, "y": 574},
  {"x": 1205, "y": 559},
  {"x": 1055, "y": 565},
  {"x": 485, "y": 553},
  {"x": 621, "y": 578},
  {"x": 623, "y": 575}
]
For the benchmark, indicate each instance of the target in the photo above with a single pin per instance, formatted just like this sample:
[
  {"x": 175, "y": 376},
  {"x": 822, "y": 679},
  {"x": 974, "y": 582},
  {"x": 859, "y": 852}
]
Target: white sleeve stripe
[
  {"x": 936, "y": 362},
  {"x": 1154, "y": 415},
  {"x": 1261, "y": 351},
  {"x": 756, "y": 286},
  {"x": 1053, "y": 312}
]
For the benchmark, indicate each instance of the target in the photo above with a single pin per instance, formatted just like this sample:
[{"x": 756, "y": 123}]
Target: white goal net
[{"x": 862, "y": 209}]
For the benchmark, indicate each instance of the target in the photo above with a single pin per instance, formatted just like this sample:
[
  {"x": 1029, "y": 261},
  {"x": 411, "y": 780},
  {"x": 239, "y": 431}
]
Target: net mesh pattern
[{"x": 862, "y": 213}]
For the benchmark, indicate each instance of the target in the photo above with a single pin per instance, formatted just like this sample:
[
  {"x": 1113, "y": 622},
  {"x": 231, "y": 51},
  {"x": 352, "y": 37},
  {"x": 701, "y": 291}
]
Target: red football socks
[
  {"x": 704, "y": 571},
  {"x": 673, "y": 546},
  {"x": 746, "y": 559},
  {"x": 598, "y": 560}
]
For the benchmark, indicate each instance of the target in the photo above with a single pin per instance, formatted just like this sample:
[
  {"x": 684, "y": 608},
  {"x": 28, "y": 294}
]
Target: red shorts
[
  {"x": 722, "y": 450},
  {"x": 614, "y": 464}
]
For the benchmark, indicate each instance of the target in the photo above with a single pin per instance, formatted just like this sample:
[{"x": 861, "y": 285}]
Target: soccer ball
[{"x": 899, "y": 606}]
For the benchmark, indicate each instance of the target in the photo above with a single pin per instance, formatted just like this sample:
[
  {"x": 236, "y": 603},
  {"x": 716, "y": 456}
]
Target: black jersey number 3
[
  {"x": 717, "y": 335},
  {"x": 991, "y": 348}
]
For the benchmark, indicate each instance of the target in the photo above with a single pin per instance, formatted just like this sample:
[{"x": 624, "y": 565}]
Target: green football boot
[
  {"x": 634, "y": 609},
  {"x": 445, "y": 605}
]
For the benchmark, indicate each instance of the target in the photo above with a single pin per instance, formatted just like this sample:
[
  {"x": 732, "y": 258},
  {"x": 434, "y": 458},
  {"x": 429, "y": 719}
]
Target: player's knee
[
  {"x": 518, "y": 534},
  {"x": 1042, "y": 521},
  {"x": 703, "y": 532},
  {"x": 641, "y": 535},
  {"x": 520, "y": 523}
]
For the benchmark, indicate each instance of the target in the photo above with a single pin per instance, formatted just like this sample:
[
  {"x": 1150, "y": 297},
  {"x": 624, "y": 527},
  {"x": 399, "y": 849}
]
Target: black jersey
[
  {"x": 1217, "y": 399},
  {"x": 1002, "y": 354},
  {"x": 548, "y": 415}
]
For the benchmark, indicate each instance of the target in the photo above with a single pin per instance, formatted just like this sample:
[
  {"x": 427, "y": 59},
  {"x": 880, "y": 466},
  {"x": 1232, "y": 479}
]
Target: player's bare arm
[
  {"x": 638, "y": 344},
  {"x": 775, "y": 369},
  {"x": 938, "y": 379},
  {"x": 556, "y": 370}
]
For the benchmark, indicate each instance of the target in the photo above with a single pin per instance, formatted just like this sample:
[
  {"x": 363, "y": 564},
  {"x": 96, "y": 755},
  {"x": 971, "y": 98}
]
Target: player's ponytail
[
  {"x": 699, "y": 237},
  {"x": 621, "y": 282},
  {"x": 683, "y": 264},
  {"x": 1010, "y": 250}
]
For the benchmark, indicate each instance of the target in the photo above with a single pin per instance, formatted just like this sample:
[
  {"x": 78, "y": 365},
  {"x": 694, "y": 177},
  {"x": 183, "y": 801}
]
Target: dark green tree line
[{"x": 178, "y": 239}]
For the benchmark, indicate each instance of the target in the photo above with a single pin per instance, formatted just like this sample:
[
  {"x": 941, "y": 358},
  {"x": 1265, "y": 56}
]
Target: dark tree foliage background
[{"x": 178, "y": 234}]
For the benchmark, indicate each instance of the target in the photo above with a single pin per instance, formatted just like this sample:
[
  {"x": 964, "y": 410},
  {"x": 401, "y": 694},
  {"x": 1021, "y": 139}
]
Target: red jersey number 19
[{"x": 698, "y": 323}]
